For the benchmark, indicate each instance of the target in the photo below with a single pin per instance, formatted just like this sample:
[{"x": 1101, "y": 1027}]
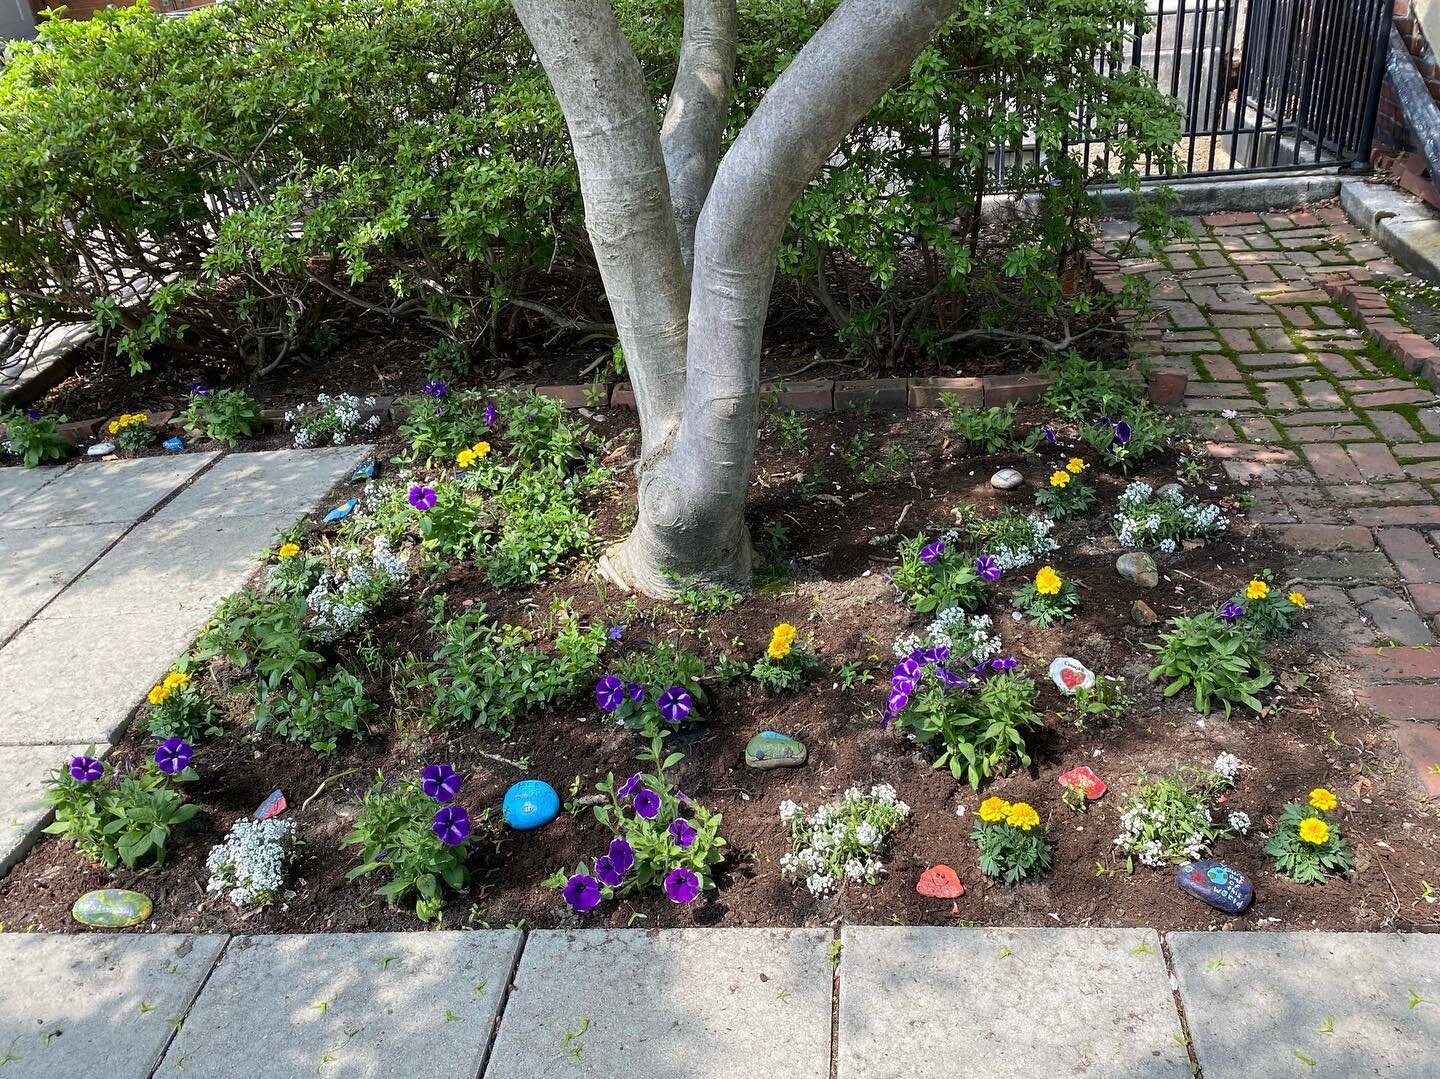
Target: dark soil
[{"x": 837, "y": 592}]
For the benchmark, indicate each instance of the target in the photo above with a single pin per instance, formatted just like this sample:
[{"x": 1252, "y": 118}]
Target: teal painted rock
[
  {"x": 111, "y": 908},
  {"x": 529, "y": 804},
  {"x": 364, "y": 472},
  {"x": 771, "y": 749}
]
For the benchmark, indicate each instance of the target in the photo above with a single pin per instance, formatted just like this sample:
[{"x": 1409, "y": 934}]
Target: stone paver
[
  {"x": 22, "y": 774},
  {"x": 18, "y": 484},
  {"x": 718, "y": 1003},
  {"x": 1006, "y": 1003},
  {"x": 1324, "y": 1005},
  {"x": 387, "y": 1005},
  {"x": 36, "y": 563},
  {"x": 85, "y": 1005},
  {"x": 121, "y": 491},
  {"x": 280, "y": 484}
]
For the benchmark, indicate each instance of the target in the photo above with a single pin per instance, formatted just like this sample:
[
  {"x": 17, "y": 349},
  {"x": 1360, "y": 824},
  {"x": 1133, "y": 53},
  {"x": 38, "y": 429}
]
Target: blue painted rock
[
  {"x": 1216, "y": 883},
  {"x": 339, "y": 513},
  {"x": 529, "y": 804},
  {"x": 111, "y": 908},
  {"x": 364, "y": 472},
  {"x": 273, "y": 806},
  {"x": 771, "y": 749},
  {"x": 174, "y": 445},
  {"x": 1007, "y": 479}
]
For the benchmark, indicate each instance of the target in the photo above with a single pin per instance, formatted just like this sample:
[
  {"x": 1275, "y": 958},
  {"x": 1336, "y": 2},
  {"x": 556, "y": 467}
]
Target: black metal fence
[{"x": 1264, "y": 85}]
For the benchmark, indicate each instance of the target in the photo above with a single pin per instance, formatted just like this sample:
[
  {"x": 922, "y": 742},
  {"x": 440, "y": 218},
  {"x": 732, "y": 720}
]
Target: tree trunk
[{"x": 697, "y": 381}]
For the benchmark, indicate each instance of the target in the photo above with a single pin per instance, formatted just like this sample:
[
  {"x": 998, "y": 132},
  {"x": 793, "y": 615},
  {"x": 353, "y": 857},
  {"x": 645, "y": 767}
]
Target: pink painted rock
[
  {"x": 1085, "y": 782},
  {"x": 940, "y": 882}
]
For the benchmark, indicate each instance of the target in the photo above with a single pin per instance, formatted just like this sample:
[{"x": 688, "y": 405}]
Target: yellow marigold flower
[
  {"x": 781, "y": 640},
  {"x": 158, "y": 694},
  {"x": 993, "y": 809},
  {"x": 289, "y": 550},
  {"x": 113, "y": 427},
  {"x": 1075, "y": 465},
  {"x": 1297, "y": 598},
  {"x": 1257, "y": 589},
  {"x": 481, "y": 449},
  {"x": 1022, "y": 815},
  {"x": 1059, "y": 479},
  {"x": 1315, "y": 831},
  {"x": 176, "y": 679},
  {"x": 1047, "y": 581},
  {"x": 1322, "y": 799},
  {"x": 465, "y": 458}
]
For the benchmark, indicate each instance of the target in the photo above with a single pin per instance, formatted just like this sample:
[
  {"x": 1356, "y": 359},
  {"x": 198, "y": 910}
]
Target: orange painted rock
[
  {"x": 1083, "y": 781},
  {"x": 940, "y": 882}
]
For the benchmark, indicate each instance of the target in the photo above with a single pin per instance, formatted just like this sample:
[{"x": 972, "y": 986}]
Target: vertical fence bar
[
  {"x": 1283, "y": 94},
  {"x": 1371, "y": 115}
]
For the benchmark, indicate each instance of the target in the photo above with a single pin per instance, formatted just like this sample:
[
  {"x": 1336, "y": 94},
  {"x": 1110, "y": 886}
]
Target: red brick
[
  {"x": 879, "y": 393},
  {"x": 1330, "y": 434},
  {"x": 1231, "y": 217},
  {"x": 1400, "y": 664},
  {"x": 1419, "y": 744},
  {"x": 1398, "y": 516},
  {"x": 1375, "y": 460},
  {"x": 593, "y": 394},
  {"x": 1412, "y": 554},
  {"x": 1330, "y": 462},
  {"x": 1402, "y": 701},
  {"x": 926, "y": 392},
  {"x": 1002, "y": 389},
  {"x": 622, "y": 396},
  {"x": 1327, "y": 538},
  {"x": 812, "y": 395},
  {"x": 1167, "y": 386}
]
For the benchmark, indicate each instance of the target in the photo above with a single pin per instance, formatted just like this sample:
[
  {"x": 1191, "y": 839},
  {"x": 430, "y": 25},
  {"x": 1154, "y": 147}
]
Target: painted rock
[
  {"x": 1007, "y": 479},
  {"x": 940, "y": 882},
  {"x": 1084, "y": 782},
  {"x": 174, "y": 445},
  {"x": 1137, "y": 567},
  {"x": 339, "y": 513},
  {"x": 529, "y": 804},
  {"x": 273, "y": 806},
  {"x": 364, "y": 472},
  {"x": 100, "y": 449},
  {"x": 1172, "y": 491},
  {"x": 1217, "y": 884},
  {"x": 1142, "y": 614},
  {"x": 771, "y": 749},
  {"x": 111, "y": 908},
  {"x": 1070, "y": 674}
]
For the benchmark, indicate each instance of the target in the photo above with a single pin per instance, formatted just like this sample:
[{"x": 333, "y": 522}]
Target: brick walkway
[{"x": 1341, "y": 446}]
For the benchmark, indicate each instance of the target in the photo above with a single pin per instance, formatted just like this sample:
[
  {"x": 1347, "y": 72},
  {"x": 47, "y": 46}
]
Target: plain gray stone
[
  {"x": 23, "y": 812},
  {"x": 1261, "y": 1004},
  {"x": 1394, "y": 618},
  {"x": 932, "y": 1001},
  {"x": 278, "y": 484},
  {"x": 109, "y": 491},
  {"x": 19, "y": 484},
  {"x": 74, "y": 1005},
  {"x": 669, "y": 1004},
  {"x": 390, "y": 1005},
  {"x": 36, "y": 563}
]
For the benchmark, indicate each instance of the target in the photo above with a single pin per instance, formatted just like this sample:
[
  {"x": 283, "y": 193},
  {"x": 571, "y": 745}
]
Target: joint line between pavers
[
  {"x": 838, "y": 958},
  {"x": 1174, "y": 979},
  {"x": 189, "y": 1007},
  {"x": 504, "y": 1002}
]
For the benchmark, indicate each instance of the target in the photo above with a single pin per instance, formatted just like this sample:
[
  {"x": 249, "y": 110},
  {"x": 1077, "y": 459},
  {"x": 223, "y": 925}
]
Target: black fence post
[{"x": 1361, "y": 164}]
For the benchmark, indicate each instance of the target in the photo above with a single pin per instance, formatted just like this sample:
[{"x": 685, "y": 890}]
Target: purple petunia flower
[
  {"x": 1004, "y": 663},
  {"x": 422, "y": 498},
  {"x": 988, "y": 568},
  {"x": 609, "y": 693},
  {"x": 950, "y": 680},
  {"x": 452, "y": 825},
  {"x": 635, "y": 691},
  {"x": 901, "y": 684},
  {"x": 908, "y": 668},
  {"x": 896, "y": 702},
  {"x": 490, "y": 414},
  {"x": 682, "y": 885},
  {"x": 608, "y": 874},
  {"x": 86, "y": 769},
  {"x": 931, "y": 552},
  {"x": 173, "y": 754},
  {"x": 435, "y": 388},
  {"x": 34, "y": 415},
  {"x": 675, "y": 704},
  {"x": 615, "y": 632},
  {"x": 681, "y": 832},
  {"x": 582, "y": 892},
  {"x": 1122, "y": 434},
  {"x": 1049, "y": 435},
  {"x": 628, "y": 787},
  {"x": 441, "y": 782},
  {"x": 621, "y": 856},
  {"x": 199, "y": 390},
  {"x": 1232, "y": 611},
  {"x": 647, "y": 803}
]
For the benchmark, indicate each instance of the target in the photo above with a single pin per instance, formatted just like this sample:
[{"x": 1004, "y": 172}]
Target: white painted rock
[
  {"x": 100, "y": 449},
  {"x": 1007, "y": 479},
  {"x": 1070, "y": 674}
]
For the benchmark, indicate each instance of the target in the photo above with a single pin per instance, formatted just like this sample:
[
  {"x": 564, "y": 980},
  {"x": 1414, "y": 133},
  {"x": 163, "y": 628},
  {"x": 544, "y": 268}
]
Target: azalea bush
[
  {"x": 935, "y": 575},
  {"x": 1173, "y": 818},
  {"x": 1047, "y": 599},
  {"x": 116, "y": 815},
  {"x": 1219, "y": 661},
  {"x": 1014, "y": 845},
  {"x": 1306, "y": 844},
  {"x": 660, "y": 836},
  {"x": 841, "y": 841}
]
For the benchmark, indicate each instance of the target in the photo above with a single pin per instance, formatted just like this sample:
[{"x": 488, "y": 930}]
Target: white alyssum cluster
[
  {"x": 1140, "y": 820},
  {"x": 1026, "y": 549},
  {"x": 1146, "y": 519},
  {"x": 1227, "y": 765},
  {"x": 330, "y": 418},
  {"x": 355, "y": 581},
  {"x": 968, "y": 636},
  {"x": 248, "y": 865},
  {"x": 841, "y": 840}
]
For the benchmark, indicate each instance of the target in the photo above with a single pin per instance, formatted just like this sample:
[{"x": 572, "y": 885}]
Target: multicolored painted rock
[
  {"x": 1084, "y": 783},
  {"x": 339, "y": 513},
  {"x": 1070, "y": 674},
  {"x": 364, "y": 472},
  {"x": 940, "y": 882},
  {"x": 273, "y": 806},
  {"x": 1007, "y": 479},
  {"x": 771, "y": 749},
  {"x": 1221, "y": 886},
  {"x": 529, "y": 804},
  {"x": 111, "y": 908}
]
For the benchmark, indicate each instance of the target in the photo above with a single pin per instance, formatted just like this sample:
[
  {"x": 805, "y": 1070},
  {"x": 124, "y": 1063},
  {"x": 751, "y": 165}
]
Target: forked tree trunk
[{"x": 690, "y": 314}]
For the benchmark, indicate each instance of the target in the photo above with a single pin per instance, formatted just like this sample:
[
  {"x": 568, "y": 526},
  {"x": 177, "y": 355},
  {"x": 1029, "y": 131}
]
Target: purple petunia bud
[{"x": 628, "y": 787}]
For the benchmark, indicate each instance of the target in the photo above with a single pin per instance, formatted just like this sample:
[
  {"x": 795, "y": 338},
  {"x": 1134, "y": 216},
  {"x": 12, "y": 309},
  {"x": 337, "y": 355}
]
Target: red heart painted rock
[
  {"x": 1085, "y": 782},
  {"x": 940, "y": 882},
  {"x": 1072, "y": 678},
  {"x": 1070, "y": 675}
]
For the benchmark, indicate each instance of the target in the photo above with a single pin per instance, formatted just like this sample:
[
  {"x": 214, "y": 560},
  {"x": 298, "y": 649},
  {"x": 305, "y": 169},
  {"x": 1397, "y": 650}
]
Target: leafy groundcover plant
[
  {"x": 32, "y": 436},
  {"x": 1010, "y": 541},
  {"x": 1141, "y": 432},
  {"x": 132, "y": 431},
  {"x": 179, "y": 710},
  {"x": 935, "y": 575},
  {"x": 1260, "y": 607},
  {"x": 988, "y": 430},
  {"x": 841, "y": 841},
  {"x": 1014, "y": 845},
  {"x": 655, "y": 691},
  {"x": 1172, "y": 819},
  {"x": 1307, "y": 844},
  {"x": 1219, "y": 660},
  {"x": 317, "y": 710},
  {"x": 224, "y": 415},
  {"x": 660, "y": 836}
]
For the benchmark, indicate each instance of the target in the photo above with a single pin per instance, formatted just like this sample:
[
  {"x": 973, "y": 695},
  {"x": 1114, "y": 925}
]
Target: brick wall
[{"x": 83, "y": 9}]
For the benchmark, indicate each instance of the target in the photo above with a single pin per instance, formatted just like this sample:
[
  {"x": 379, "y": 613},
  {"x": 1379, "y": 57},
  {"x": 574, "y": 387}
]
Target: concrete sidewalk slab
[
  {"x": 278, "y": 483},
  {"x": 89, "y": 1005},
  {"x": 18, "y": 484},
  {"x": 679, "y": 1004},
  {"x": 389, "y": 1005},
  {"x": 1322, "y": 1005},
  {"x": 109, "y": 491},
  {"x": 23, "y": 812},
  {"x": 36, "y": 563},
  {"x": 1006, "y": 1003}
]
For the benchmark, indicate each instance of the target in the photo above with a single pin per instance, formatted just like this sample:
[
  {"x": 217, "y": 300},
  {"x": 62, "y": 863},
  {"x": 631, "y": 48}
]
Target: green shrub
[
  {"x": 122, "y": 817},
  {"x": 1222, "y": 663},
  {"x": 225, "y": 415},
  {"x": 979, "y": 728},
  {"x": 32, "y": 437},
  {"x": 314, "y": 709}
]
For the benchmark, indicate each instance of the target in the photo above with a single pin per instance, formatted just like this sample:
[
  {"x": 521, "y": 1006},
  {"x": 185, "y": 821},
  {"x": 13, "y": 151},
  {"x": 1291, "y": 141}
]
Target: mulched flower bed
[{"x": 840, "y": 547}]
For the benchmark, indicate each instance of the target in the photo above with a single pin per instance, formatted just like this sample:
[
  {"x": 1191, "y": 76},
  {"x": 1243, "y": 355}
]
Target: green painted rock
[
  {"x": 111, "y": 908},
  {"x": 771, "y": 749}
]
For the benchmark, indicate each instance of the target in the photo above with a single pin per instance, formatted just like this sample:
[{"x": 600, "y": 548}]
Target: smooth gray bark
[{"x": 695, "y": 470}]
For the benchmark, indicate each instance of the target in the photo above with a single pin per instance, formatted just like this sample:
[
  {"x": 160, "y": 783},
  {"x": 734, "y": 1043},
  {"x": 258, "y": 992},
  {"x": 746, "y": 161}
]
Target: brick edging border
[{"x": 1413, "y": 351}]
